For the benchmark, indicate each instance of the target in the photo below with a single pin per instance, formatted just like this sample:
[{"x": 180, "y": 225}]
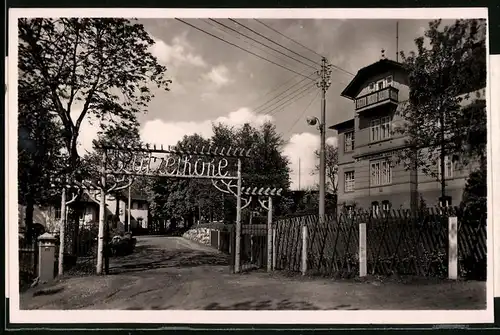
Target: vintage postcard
[{"x": 303, "y": 166}]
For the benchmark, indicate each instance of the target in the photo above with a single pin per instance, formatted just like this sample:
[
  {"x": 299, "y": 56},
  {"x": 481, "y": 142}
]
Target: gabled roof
[{"x": 383, "y": 65}]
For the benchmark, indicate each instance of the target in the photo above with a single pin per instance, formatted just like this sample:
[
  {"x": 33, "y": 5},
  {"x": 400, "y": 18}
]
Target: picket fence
[{"x": 397, "y": 242}]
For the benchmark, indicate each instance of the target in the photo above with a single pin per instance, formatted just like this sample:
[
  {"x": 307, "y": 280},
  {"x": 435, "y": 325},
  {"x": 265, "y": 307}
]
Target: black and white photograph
[{"x": 333, "y": 165}]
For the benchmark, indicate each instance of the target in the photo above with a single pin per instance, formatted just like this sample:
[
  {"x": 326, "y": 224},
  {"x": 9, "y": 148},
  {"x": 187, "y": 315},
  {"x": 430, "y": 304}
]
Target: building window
[
  {"x": 349, "y": 181},
  {"x": 372, "y": 86},
  {"x": 375, "y": 208},
  {"x": 380, "y": 129},
  {"x": 349, "y": 141},
  {"x": 448, "y": 167},
  {"x": 380, "y": 85},
  {"x": 380, "y": 173}
]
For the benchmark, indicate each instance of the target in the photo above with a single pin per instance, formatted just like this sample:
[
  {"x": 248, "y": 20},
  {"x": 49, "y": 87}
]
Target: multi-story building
[{"x": 369, "y": 176}]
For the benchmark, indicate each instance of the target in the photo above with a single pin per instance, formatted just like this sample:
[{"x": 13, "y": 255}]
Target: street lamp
[{"x": 312, "y": 121}]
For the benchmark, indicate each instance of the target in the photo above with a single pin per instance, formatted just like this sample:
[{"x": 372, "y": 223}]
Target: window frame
[
  {"x": 350, "y": 147},
  {"x": 449, "y": 168},
  {"x": 352, "y": 182},
  {"x": 383, "y": 128},
  {"x": 377, "y": 167}
]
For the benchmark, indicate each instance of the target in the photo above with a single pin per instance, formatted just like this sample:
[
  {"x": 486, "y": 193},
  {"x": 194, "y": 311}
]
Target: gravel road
[{"x": 175, "y": 273}]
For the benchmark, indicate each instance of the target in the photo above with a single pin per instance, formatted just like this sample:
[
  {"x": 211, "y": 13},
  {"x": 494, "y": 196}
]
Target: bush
[{"x": 122, "y": 245}]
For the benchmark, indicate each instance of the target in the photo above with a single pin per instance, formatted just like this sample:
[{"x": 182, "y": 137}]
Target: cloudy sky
[{"x": 214, "y": 81}]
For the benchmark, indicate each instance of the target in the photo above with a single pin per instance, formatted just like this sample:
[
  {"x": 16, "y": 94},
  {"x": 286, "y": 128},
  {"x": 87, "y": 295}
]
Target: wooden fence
[
  {"x": 28, "y": 261},
  {"x": 397, "y": 242}
]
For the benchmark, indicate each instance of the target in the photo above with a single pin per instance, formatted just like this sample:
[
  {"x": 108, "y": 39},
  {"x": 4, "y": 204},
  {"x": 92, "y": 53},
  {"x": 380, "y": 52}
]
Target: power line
[
  {"x": 250, "y": 43},
  {"x": 270, "y": 40},
  {"x": 235, "y": 45},
  {"x": 296, "y": 97},
  {"x": 288, "y": 89},
  {"x": 288, "y": 37},
  {"x": 277, "y": 87},
  {"x": 303, "y": 112},
  {"x": 253, "y": 39},
  {"x": 286, "y": 96},
  {"x": 336, "y": 67}
]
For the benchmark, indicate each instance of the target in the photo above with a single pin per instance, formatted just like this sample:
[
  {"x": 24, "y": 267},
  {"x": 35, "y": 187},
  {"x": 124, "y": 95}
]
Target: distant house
[{"x": 88, "y": 208}]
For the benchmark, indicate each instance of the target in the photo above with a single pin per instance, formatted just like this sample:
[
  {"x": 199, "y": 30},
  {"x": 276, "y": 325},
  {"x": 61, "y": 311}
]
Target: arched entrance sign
[{"x": 173, "y": 162}]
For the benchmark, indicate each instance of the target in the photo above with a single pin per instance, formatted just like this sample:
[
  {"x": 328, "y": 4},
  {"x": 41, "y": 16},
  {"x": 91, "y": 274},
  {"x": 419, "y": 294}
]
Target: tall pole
[
  {"x": 299, "y": 175},
  {"x": 129, "y": 208},
  {"x": 269, "y": 233},
  {"x": 102, "y": 216},
  {"x": 324, "y": 84},
  {"x": 62, "y": 229},
  {"x": 238, "y": 222},
  {"x": 397, "y": 41}
]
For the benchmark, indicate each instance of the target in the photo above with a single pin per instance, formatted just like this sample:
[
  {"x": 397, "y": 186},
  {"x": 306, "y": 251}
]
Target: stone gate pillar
[{"x": 46, "y": 257}]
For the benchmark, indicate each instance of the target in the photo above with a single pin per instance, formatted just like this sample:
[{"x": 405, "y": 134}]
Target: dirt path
[{"x": 175, "y": 273}]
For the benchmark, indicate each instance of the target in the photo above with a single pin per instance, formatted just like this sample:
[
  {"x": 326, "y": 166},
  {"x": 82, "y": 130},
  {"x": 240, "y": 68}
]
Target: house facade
[
  {"x": 369, "y": 175},
  {"x": 88, "y": 207}
]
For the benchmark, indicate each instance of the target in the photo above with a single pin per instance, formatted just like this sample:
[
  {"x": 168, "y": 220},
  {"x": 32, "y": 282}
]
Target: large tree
[
  {"x": 89, "y": 67},
  {"x": 39, "y": 152},
  {"x": 448, "y": 65},
  {"x": 266, "y": 167}
]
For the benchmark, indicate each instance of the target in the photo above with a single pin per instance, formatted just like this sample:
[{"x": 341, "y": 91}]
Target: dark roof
[
  {"x": 343, "y": 125},
  {"x": 381, "y": 66}
]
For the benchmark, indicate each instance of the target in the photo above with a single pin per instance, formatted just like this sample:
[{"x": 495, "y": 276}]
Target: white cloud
[
  {"x": 302, "y": 147},
  {"x": 159, "y": 132},
  {"x": 178, "y": 53},
  {"x": 219, "y": 75}
]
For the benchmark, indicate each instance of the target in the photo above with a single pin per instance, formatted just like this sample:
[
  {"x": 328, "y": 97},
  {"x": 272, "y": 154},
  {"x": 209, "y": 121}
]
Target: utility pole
[
  {"x": 324, "y": 84},
  {"x": 299, "y": 175}
]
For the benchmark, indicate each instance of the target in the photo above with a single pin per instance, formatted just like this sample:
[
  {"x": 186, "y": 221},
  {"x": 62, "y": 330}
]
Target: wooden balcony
[{"x": 388, "y": 94}]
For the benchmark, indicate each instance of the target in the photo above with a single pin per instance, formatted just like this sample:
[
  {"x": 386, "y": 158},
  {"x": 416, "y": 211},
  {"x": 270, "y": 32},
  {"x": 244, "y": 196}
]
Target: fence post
[
  {"x": 274, "y": 248},
  {"x": 452, "y": 248},
  {"x": 362, "y": 250},
  {"x": 218, "y": 239},
  {"x": 304, "y": 249}
]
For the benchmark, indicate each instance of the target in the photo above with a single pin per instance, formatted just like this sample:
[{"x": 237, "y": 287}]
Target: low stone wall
[{"x": 200, "y": 235}]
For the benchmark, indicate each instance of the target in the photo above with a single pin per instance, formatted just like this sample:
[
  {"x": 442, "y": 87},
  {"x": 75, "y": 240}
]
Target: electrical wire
[
  {"x": 270, "y": 40},
  {"x": 283, "y": 98},
  {"x": 276, "y": 31},
  {"x": 303, "y": 112},
  {"x": 239, "y": 47},
  {"x": 334, "y": 66},
  {"x": 288, "y": 89},
  {"x": 284, "y": 54},
  {"x": 295, "y": 98},
  {"x": 250, "y": 43}
]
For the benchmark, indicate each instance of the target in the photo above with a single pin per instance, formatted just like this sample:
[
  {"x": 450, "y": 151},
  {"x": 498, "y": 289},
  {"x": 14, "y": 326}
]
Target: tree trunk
[{"x": 28, "y": 219}]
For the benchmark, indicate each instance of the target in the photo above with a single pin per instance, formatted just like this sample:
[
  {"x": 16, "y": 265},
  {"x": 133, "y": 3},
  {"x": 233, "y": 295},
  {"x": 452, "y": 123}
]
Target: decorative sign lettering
[{"x": 180, "y": 166}]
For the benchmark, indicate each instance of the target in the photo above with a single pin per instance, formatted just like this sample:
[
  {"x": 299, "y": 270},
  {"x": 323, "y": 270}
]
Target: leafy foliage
[
  {"x": 101, "y": 66},
  {"x": 267, "y": 167},
  {"x": 442, "y": 75},
  {"x": 332, "y": 168}
]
